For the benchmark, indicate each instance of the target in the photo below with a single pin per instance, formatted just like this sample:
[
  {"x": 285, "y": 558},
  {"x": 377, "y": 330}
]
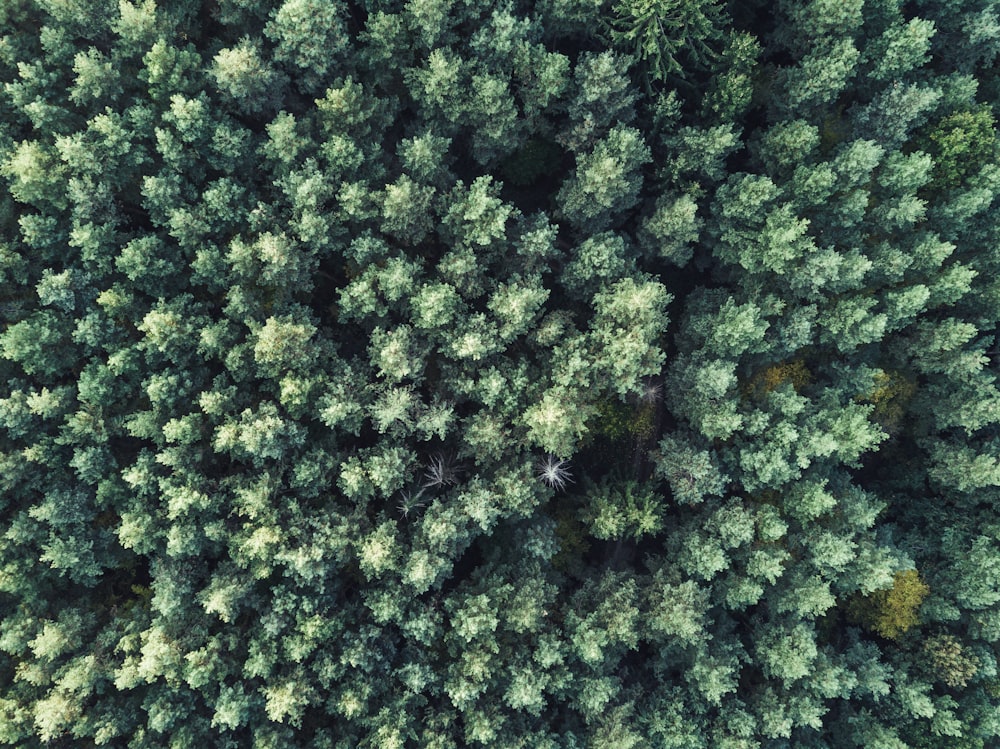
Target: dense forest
[{"x": 449, "y": 373}]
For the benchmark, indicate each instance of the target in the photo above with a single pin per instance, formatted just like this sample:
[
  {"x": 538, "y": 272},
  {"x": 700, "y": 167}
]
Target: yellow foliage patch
[
  {"x": 890, "y": 394},
  {"x": 893, "y": 611},
  {"x": 775, "y": 375}
]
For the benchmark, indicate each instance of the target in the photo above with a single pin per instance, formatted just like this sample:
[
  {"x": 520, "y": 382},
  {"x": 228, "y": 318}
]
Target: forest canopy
[{"x": 443, "y": 373}]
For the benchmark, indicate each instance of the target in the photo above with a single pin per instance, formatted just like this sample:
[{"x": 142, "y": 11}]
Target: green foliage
[
  {"x": 309, "y": 35},
  {"x": 672, "y": 228},
  {"x": 623, "y": 510},
  {"x": 33, "y": 172},
  {"x": 242, "y": 73},
  {"x": 558, "y": 422},
  {"x": 443, "y": 374},
  {"x": 959, "y": 144},
  {"x": 901, "y": 49},
  {"x": 691, "y": 473},
  {"x": 602, "y": 96},
  {"x": 819, "y": 77},
  {"x": 606, "y": 181},
  {"x": 37, "y": 344},
  {"x": 663, "y": 33},
  {"x": 733, "y": 88}
]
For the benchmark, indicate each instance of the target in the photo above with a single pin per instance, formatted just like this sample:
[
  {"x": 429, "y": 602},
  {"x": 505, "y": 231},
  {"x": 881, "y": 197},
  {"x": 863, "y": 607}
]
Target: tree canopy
[{"x": 551, "y": 374}]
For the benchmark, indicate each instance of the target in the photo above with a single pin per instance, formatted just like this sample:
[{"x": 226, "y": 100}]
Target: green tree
[
  {"x": 243, "y": 75},
  {"x": 958, "y": 143},
  {"x": 443, "y": 374},
  {"x": 309, "y": 36},
  {"x": 606, "y": 182},
  {"x": 662, "y": 33}
]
